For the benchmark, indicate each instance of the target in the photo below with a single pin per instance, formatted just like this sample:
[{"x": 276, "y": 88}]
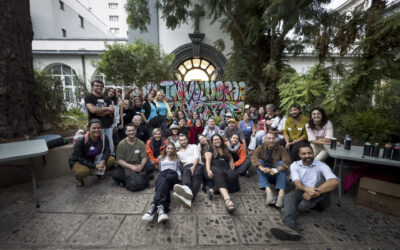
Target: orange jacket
[
  {"x": 150, "y": 150},
  {"x": 242, "y": 155}
]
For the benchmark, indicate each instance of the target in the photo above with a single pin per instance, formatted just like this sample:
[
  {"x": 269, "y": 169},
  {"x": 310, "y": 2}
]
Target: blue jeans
[
  {"x": 109, "y": 133},
  {"x": 278, "y": 179}
]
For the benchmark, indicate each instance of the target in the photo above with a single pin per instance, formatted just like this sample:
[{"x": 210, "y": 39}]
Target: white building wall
[{"x": 100, "y": 8}]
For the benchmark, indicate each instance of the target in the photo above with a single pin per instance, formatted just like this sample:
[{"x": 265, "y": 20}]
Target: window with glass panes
[
  {"x": 102, "y": 77},
  {"x": 196, "y": 69},
  {"x": 68, "y": 79}
]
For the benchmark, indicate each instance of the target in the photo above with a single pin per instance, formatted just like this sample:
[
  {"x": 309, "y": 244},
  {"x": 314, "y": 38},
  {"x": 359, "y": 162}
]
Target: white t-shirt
[
  {"x": 279, "y": 124},
  {"x": 166, "y": 163},
  {"x": 189, "y": 155}
]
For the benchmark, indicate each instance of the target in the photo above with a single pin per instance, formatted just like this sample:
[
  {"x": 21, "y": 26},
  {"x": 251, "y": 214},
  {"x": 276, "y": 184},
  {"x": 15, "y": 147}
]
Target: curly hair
[{"x": 324, "y": 119}]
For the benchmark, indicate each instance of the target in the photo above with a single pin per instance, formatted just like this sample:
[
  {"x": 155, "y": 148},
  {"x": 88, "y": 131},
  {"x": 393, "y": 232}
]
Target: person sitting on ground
[
  {"x": 314, "y": 180},
  {"x": 91, "y": 151},
  {"x": 179, "y": 114},
  {"x": 247, "y": 127},
  {"x": 137, "y": 105},
  {"x": 272, "y": 161},
  {"x": 220, "y": 171},
  {"x": 295, "y": 131},
  {"x": 278, "y": 125},
  {"x": 141, "y": 129},
  {"x": 195, "y": 115},
  {"x": 240, "y": 160},
  {"x": 224, "y": 123},
  {"x": 211, "y": 129},
  {"x": 195, "y": 131},
  {"x": 155, "y": 145},
  {"x": 203, "y": 147},
  {"x": 168, "y": 177},
  {"x": 269, "y": 117},
  {"x": 134, "y": 170},
  {"x": 233, "y": 129},
  {"x": 174, "y": 137},
  {"x": 100, "y": 107},
  {"x": 260, "y": 126},
  {"x": 192, "y": 172},
  {"x": 182, "y": 127},
  {"x": 319, "y": 132}
]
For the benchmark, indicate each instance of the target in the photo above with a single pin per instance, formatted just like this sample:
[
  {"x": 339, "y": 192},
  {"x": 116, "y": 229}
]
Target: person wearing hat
[
  {"x": 224, "y": 123},
  {"x": 174, "y": 137},
  {"x": 234, "y": 129}
]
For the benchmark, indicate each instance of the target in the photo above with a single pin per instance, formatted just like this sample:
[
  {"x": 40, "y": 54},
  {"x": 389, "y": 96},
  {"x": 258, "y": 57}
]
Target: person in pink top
[{"x": 320, "y": 132}]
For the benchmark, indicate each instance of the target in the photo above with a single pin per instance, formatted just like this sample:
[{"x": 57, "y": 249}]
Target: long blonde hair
[{"x": 174, "y": 155}]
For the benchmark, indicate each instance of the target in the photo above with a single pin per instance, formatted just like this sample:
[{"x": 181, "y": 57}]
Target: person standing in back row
[{"x": 100, "y": 107}]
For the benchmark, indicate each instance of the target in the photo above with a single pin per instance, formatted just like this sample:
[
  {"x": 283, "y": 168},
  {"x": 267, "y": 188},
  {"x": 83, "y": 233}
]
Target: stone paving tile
[
  {"x": 135, "y": 232},
  {"x": 65, "y": 202},
  {"x": 114, "y": 204},
  {"x": 217, "y": 230},
  {"x": 255, "y": 204},
  {"x": 391, "y": 235},
  {"x": 372, "y": 217},
  {"x": 254, "y": 229},
  {"x": 179, "y": 231},
  {"x": 46, "y": 228},
  {"x": 219, "y": 207},
  {"x": 99, "y": 229}
]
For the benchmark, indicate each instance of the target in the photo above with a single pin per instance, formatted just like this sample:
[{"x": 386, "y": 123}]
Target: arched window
[
  {"x": 196, "y": 69},
  {"x": 68, "y": 78},
  {"x": 102, "y": 77}
]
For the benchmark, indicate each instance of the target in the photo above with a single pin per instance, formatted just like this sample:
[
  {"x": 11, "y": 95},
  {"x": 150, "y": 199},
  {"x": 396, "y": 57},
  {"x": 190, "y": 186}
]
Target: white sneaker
[
  {"x": 184, "y": 191},
  {"x": 270, "y": 198},
  {"x": 185, "y": 202},
  {"x": 279, "y": 201},
  {"x": 149, "y": 215},
  {"x": 162, "y": 215}
]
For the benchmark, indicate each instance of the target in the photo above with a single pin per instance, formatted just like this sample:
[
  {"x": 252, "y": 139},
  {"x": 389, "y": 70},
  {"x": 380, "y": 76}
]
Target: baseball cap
[
  {"x": 247, "y": 106},
  {"x": 231, "y": 120},
  {"x": 174, "y": 126},
  {"x": 228, "y": 114}
]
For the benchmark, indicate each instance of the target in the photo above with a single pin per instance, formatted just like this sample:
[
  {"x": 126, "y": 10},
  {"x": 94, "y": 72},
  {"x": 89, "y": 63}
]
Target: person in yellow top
[{"x": 295, "y": 131}]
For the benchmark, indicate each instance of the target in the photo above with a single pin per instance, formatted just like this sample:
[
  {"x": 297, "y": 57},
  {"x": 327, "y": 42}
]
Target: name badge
[
  {"x": 91, "y": 148},
  {"x": 137, "y": 151},
  {"x": 248, "y": 127},
  {"x": 299, "y": 128},
  {"x": 290, "y": 129}
]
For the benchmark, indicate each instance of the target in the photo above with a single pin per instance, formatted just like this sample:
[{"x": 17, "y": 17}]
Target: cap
[
  {"x": 247, "y": 106},
  {"x": 174, "y": 126},
  {"x": 228, "y": 114},
  {"x": 231, "y": 120}
]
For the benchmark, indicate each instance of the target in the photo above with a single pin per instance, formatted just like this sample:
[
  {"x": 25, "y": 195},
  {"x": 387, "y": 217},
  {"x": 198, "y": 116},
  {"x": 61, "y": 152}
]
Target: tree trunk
[{"x": 17, "y": 98}]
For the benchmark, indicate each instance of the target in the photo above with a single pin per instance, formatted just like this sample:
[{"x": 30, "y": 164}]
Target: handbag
[{"x": 252, "y": 143}]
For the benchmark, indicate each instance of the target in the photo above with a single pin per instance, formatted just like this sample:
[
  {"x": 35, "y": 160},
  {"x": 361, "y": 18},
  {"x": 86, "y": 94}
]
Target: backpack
[{"x": 83, "y": 133}]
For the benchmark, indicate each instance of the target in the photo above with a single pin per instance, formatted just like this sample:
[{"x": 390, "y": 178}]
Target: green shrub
[
  {"x": 370, "y": 126},
  {"x": 74, "y": 118}
]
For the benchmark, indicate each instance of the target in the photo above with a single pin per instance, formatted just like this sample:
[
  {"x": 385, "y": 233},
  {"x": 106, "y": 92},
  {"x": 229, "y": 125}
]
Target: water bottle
[
  {"x": 396, "y": 152},
  {"x": 387, "y": 151},
  {"x": 367, "y": 149},
  {"x": 375, "y": 150},
  {"x": 347, "y": 142}
]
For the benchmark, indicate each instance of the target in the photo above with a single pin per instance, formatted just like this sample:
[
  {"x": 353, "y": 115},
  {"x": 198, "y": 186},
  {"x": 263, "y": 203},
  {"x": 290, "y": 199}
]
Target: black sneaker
[
  {"x": 285, "y": 233},
  {"x": 149, "y": 215}
]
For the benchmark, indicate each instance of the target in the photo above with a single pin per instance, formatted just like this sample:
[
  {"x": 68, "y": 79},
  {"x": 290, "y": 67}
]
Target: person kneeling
[
  {"x": 314, "y": 181},
  {"x": 264, "y": 158},
  {"x": 91, "y": 152},
  {"x": 169, "y": 176},
  {"x": 133, "y": 169}
]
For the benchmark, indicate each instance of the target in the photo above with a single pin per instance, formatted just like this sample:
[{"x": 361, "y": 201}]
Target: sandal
[
  {"x": 230, "y": 208},
  {"x": 210, "y": 194}
]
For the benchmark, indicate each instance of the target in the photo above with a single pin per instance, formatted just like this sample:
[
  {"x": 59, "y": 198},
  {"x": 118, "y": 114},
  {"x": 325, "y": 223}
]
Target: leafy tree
[
  {"x": 258, "y": 29},
  {"x": 139, "y": 62}
]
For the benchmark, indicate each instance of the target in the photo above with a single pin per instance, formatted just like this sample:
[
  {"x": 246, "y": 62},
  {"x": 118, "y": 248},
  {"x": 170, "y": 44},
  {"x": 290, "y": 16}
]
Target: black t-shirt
[
  {"x": 100, "y": 102},
  {"x": 127, "y": 115},
  {"x": 268, "y": 163},
  {"x": 221, "y": 161},
  {"x": 136, "y": 110},
  {"x": 147, "y": 109}
]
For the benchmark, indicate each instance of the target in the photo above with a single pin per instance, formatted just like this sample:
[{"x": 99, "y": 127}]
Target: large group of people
[{"x": 141, "y": 135}]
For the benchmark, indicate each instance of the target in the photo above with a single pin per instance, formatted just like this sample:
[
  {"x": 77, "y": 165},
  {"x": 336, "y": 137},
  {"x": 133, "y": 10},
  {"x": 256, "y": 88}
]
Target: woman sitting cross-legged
[
  {"x": 169, "y": 176},
  {"x": 238, "y": 152},
  {"x": 91, "y": 151},
  {"x": 219, "y": 165}
]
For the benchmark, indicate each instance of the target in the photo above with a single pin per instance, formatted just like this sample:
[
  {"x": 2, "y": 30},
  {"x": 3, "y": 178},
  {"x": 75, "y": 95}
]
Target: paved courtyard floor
[{"x": 102, "y": 215}]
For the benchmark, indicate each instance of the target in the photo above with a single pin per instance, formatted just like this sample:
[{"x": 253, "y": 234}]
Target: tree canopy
[{"x": 139, "y": 62}]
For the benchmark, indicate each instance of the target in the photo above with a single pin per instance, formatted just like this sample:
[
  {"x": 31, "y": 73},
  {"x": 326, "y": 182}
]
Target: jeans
[
  {"x": 264, "y": 180},
  {"x": 193, "y": 181},
  {"x": 109, "y": 133},
  {"x": 294, "y": 202},
  {"x": 241, "y": 169}
]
